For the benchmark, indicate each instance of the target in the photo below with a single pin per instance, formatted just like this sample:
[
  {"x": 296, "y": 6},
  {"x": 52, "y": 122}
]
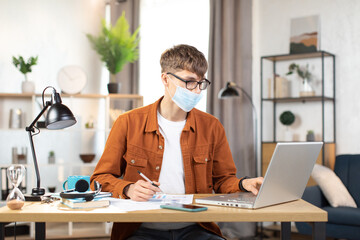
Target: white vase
[
  {"x": 28, "y": 87},
  {"x": 306, "y": 90},
  {"x": 288, "y": 136}
]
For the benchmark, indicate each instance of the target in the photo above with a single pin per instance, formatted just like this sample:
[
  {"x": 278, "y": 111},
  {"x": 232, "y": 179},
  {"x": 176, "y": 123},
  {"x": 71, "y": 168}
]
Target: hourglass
[{"x": 15, "y": 199}]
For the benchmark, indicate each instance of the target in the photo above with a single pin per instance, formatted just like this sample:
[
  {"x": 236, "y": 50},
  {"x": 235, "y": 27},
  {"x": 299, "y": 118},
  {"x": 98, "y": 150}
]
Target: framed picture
[{"x": 304, "y": 35}]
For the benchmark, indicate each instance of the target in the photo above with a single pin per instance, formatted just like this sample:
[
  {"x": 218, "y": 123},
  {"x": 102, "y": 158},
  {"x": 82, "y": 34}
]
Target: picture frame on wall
[{"x": 305, "y": 34}]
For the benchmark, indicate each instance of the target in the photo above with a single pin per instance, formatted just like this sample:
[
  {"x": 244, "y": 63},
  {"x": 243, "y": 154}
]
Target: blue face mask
[{"x": 185, "y": 99}]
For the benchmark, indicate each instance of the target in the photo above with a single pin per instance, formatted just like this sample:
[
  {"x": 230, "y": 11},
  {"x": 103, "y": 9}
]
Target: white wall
[
  {"x": 340, "y": 35},
  {"x": 54, "y": 31}
]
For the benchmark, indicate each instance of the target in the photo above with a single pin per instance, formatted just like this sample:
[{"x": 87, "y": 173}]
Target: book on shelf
[
  {"x": 78, "y": 203},
  {"x": 281, "y": 87}
]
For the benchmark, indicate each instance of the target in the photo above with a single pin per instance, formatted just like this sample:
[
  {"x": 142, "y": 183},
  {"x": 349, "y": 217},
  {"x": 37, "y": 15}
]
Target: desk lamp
[
  {"x": 230, "y": 91},
  {"x": 58, "y": 117}
]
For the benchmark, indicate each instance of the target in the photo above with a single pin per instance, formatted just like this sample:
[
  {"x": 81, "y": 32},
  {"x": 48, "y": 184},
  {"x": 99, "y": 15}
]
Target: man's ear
[{"x": 164, "y": 79}]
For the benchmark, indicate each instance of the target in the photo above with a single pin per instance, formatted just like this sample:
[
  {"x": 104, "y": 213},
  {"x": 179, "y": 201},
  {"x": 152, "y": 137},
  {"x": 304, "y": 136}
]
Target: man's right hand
[{"x": 141, "y": 190}]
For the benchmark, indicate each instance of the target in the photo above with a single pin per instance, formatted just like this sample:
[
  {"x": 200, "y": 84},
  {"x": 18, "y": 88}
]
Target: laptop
[{"x": 285, "y": 179}]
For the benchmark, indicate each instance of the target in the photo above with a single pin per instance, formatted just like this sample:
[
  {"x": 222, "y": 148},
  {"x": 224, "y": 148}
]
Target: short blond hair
[{"x": 183, "y": 57}]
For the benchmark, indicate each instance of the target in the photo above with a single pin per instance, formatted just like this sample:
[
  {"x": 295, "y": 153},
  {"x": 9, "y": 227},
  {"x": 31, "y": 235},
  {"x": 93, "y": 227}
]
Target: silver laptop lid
[{"x": 288, "y": 173}]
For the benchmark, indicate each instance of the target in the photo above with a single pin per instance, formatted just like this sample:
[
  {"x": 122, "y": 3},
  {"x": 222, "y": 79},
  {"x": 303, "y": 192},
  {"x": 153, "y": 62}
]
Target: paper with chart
[{"x": 154, "y": 203}]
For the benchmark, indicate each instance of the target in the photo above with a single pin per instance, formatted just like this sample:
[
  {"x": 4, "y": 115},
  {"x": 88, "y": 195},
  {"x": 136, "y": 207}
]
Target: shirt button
[
  {"x": 157, "y": 168},
  {"x": 160, "y": 147},
  {"x": 206, "y": 160},
  {"x": 132, "y": 161}
]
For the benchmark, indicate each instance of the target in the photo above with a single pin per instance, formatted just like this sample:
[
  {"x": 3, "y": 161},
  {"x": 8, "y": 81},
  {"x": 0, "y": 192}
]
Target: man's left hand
[{"x": 253, "y": 184}]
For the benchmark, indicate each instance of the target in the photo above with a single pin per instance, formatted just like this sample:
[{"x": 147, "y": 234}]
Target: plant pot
[
  {"x": 114, "y": 87},
  {"x": 306, "y": 89},
  {"x": 28, "y": 87},
  {"x": 51, "y": 159},
  {"x": 288, "y": 136},
  {"x": 310, "y": 137}
]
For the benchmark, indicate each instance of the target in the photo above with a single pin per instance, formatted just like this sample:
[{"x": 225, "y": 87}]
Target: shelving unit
[
  {"x": 312, "y": 112},
  {"x": 67, "y": 143}
]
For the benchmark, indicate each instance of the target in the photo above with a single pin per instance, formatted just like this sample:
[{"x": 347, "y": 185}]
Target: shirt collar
[{"x": 152, "y": 121}]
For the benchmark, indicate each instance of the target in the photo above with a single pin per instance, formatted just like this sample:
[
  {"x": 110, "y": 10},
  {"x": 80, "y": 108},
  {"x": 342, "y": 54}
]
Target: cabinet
[
  {"x": 94, "y": 110},
  {"x": 314, "y": 111}
]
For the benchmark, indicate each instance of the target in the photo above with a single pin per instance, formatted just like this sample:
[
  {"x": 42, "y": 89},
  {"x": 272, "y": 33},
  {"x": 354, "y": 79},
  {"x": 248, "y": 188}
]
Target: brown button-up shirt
[{"x": 135, "y": 144}]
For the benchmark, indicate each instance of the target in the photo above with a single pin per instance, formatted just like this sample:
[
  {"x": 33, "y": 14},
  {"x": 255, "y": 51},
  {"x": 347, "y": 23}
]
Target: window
[{"x": 165, "y": 23}]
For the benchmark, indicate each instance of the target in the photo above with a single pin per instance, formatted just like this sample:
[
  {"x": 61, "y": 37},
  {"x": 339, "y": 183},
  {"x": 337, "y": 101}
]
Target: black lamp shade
[
  {"x": 59, "y": 116},
  {"x": 228, "y": 92}
]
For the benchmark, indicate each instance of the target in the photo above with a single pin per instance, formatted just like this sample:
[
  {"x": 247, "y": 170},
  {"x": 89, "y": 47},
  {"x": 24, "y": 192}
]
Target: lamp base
[
  {"x": 35, "y": 195},
  {"x": 31, "y": 198}
]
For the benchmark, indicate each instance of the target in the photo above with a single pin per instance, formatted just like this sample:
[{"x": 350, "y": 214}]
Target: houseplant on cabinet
[
  {"x": 303, "y": 72},
  {"x": 25, "y": 67},
  {"x": 287, "y": 118},
  {"x": 116, "y": 47}
]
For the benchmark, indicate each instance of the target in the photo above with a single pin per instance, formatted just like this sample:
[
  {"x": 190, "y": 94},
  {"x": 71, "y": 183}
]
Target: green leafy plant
[
  {"x": 116, "y": 45},
  {"x": 51, "y": 154},
  {"x": 24, "y": 66},
  {"x": 287, "y": 118},
  {"x": 302, "y": 71}
]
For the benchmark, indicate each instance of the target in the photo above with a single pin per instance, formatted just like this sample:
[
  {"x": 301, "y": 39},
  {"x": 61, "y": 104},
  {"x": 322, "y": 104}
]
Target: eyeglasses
[{"x": 191, "y": 85}]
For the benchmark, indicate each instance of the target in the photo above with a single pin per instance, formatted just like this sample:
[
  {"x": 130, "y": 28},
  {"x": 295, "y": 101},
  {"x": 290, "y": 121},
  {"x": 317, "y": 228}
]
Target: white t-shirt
[
  {"x": 172, "y": 179},
  {"x": 172, "y": 169}
]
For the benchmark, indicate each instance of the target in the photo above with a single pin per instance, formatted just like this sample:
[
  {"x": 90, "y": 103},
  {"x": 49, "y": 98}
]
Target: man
[{"x": 181, "y": 149}]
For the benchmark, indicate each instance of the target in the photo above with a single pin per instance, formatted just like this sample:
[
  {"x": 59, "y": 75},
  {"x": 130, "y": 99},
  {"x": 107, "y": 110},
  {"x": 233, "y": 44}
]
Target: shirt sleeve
[
  {"x": 111, "y": 165},
  {"x": 224, "y": 169}
]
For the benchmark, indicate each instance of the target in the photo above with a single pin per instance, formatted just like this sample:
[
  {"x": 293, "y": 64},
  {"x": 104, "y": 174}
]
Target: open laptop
[{"x": 285, "y": 179}]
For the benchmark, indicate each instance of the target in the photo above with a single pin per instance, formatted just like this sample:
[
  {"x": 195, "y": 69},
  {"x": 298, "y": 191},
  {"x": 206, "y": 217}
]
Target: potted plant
[
  {"x": 116, "y": 47},
  {"x": 51, "y": 157},
  {"x": 287, "y": 118},
  {"x": 305, "y": 75},
  {"x": 25, "y": 67},
  {"x": 310, "y": 136}
]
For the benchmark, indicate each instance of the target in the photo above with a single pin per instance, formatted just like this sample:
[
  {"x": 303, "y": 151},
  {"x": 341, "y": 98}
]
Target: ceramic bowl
[{"x": 87, "y": 158}]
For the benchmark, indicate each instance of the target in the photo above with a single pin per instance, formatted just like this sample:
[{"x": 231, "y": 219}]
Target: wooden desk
[{"x": 296, "y": 211}]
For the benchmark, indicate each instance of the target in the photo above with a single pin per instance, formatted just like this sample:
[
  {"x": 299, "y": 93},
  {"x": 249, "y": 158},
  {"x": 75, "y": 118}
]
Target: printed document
[{"x": 153, "y": 203}]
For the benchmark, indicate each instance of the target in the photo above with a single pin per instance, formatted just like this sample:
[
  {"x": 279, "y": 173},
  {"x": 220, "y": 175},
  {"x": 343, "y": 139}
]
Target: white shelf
[
  {"x": 87, "y": 95},
  {"x": 13, "y": 129},
  {"x": 8, "y": 165},
  {"x": 72, "y": 164}
]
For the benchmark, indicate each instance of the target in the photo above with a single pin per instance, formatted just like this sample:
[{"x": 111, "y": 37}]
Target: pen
[{"x": 147, "y": 179}]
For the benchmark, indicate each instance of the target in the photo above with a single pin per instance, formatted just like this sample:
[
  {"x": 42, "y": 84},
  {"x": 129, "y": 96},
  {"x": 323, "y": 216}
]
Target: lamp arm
[
  {"x": 31, "y": 126},
  {"x": 30, "y": 129},
  {"x": 35, "y": 160},
  {"x": 255, "y": 127}
]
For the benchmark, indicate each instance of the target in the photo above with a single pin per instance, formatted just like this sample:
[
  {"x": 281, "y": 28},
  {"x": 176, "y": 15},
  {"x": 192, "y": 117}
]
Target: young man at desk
[{"x": 183, "y": 150}]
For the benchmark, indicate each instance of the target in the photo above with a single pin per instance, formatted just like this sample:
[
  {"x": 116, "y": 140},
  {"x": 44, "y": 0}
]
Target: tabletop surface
[{"x": 294, "y": 211}]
